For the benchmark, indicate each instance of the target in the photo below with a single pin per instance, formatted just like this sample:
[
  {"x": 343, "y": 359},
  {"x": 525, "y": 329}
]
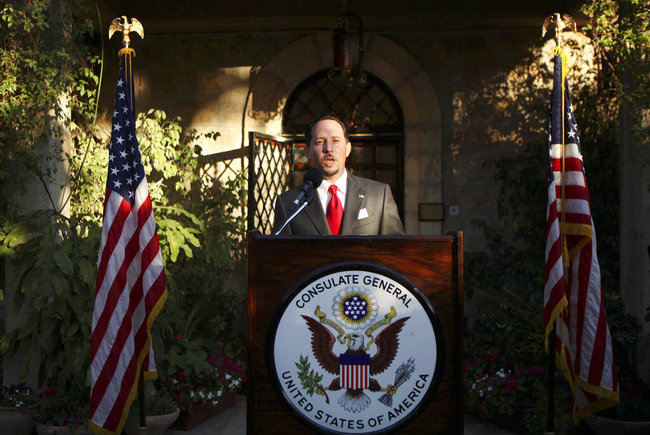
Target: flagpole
[
  {"x": 141, "y": 402},
  {"x": 125, "y": 27},
  {"x": 559, "y": 22}
]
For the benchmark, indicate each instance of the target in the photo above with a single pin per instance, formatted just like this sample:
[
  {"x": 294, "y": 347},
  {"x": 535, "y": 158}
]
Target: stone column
[{"x": 635, "y": 231}]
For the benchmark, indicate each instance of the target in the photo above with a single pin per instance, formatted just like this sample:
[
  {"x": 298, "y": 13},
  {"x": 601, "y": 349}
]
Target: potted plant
[
  {"x": 57, "y": 257},
  {"x": 160, "y": 413},
  {"x": 499, "y": 390},
  {"x": 17, "y": 403},
  {"x": 61, "y": 414},
  {"x": 201, "y": 384}
]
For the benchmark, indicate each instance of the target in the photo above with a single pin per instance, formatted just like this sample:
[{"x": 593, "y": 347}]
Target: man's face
[{"x": 328, "y": 149}]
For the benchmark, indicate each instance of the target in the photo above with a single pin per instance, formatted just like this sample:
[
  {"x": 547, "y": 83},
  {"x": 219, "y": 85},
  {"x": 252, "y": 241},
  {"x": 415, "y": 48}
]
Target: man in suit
[{"x": 367, "y": 206}]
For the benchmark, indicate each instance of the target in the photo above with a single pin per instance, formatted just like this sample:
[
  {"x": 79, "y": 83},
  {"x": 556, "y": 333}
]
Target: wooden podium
[{"x": 432, "y": 263}]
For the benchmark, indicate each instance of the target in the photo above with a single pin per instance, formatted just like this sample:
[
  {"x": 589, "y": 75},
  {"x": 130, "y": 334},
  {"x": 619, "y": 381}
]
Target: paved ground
[{"x": 233, "y": 422}]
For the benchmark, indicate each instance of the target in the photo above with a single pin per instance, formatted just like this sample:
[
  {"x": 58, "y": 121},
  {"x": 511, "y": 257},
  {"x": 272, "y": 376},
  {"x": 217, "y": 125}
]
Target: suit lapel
[
  {"x": 315, "y": 213},
  {"x": 354, "y": 198}
]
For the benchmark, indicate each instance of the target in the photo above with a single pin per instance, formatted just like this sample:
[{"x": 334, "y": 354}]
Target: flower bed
[
  {"x": 203, "y": 394},
  {"x": 500, "y": 391}
]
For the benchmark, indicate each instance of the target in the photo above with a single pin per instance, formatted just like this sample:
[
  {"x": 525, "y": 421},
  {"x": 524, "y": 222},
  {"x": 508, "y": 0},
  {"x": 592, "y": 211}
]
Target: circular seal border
[{"x": 367, "y": 267}]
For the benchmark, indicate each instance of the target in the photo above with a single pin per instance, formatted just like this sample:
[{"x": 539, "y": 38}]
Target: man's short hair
[{"x": 329, "y": 115}]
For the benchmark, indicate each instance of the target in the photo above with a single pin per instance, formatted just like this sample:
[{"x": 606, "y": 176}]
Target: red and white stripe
[
  {"x": 130, "y": 291},
  {"x": 583, "y": 344},
  {"x": 355, "y": 376}
]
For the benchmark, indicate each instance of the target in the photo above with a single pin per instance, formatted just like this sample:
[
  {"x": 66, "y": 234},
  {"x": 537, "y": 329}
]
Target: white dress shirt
[{"x": 341, "y": 185}]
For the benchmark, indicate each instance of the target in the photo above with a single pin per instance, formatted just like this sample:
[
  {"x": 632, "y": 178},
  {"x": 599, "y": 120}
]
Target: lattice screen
[{"x": 270, "y": 174}]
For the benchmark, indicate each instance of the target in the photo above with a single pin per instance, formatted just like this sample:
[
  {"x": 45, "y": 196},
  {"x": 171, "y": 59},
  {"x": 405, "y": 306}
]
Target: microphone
[
  {"x": 313, "y": 179},
  {"x": 310, "y": 198}
]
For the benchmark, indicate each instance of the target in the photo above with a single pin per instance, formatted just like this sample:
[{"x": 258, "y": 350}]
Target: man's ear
[{"x": 348, "y": 149}]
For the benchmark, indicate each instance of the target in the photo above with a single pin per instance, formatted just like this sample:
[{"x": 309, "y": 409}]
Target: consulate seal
[{"x": 355, "y": 348}]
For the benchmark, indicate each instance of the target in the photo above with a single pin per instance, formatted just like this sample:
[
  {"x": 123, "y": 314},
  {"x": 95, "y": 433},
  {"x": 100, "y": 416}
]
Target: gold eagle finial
[
  {"x": 560, "y": 22},
  {"x": 125, "y": 27}
]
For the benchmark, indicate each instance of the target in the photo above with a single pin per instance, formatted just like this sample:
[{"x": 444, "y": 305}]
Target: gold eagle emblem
[
  {"x": 123, "y": 25},
  {"x": 560, "y": 22}
]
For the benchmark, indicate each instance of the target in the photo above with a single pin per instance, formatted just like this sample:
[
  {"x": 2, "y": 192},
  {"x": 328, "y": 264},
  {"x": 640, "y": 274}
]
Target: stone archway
[{"x": 408, "y": 82}]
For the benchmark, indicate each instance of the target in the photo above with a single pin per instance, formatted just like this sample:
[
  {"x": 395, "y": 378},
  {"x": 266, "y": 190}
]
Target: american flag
[
  {"x": 573, "y": 298},
  {"x": 354, "y": 370},
  {"x": 131, "y": 283}
]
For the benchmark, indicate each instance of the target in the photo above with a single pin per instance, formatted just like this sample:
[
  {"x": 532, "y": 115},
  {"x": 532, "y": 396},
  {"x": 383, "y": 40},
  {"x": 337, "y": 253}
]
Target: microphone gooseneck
[{"x": 313, "y": 178}]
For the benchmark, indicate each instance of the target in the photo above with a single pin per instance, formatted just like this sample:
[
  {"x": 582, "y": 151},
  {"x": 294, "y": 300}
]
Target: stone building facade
[{"x": 464, "y": 75}]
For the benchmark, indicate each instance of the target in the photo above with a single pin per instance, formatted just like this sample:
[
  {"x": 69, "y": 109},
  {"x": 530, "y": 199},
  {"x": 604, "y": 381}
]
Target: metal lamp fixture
[{"x": 348, "y": 47}]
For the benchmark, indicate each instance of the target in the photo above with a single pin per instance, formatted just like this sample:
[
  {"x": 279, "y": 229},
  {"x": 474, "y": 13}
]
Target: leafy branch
[{"x": 309, "y": 379}]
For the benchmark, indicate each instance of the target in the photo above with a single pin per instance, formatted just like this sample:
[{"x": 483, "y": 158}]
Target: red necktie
[{"x": 334, "y": 211}]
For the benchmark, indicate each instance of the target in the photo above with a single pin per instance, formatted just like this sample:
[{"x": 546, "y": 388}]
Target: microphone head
[{"x": 314, "y": 176}]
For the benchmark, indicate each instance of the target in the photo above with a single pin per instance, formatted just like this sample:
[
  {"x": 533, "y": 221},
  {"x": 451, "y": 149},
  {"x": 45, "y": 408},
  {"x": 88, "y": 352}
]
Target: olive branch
[{"x": 310, "y": 379}]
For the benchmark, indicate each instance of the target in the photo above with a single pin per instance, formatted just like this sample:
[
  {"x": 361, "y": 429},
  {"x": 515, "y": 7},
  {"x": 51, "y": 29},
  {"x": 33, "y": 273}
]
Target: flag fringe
[
  {"x": 126, "y": 50},
  {"x": 571, "y": 229},
  {"x": 148, "y": 375},
  {"x": 608, "y": 398},
  {"x": 559, "y": 307}
]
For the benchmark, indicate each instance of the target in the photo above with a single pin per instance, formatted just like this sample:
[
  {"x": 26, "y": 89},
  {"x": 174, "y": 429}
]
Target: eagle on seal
[{"x": 322, "y": 344}]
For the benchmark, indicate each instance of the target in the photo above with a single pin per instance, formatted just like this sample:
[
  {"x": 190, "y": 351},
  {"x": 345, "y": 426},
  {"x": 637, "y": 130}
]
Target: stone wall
[{"x": 461, "y": 107}]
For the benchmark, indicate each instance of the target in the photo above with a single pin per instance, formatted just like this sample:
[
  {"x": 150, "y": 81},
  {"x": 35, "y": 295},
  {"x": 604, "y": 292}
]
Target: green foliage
[
  {"x": 194, "y": 378},
  {"x": 621, "y": 31},
  {"x": 57, "y": 257},
  {"x": 50, "y": 87},
  {"x": 497, "y": 388},
  {"x": 61, "y": 409},
  {"x": 155, "y": 403},
  {"x": 47, "y": 74},
  {"x": 506, "y": 281},
  {"x": 309, "y": 379}
]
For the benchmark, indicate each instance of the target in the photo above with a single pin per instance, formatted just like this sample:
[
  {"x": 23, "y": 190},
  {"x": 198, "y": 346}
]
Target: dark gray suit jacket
[{"x": 375, "y": 197}]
